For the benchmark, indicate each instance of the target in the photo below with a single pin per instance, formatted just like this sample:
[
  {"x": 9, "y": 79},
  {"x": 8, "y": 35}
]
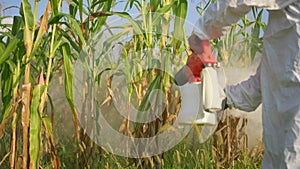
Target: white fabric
[{"x": 276, "y": 83}]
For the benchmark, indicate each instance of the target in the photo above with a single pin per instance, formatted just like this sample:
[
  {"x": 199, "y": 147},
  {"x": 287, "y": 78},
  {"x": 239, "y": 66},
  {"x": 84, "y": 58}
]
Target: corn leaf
[
  {"x": 73, "y": 24},
  {"x": 109, "y": 41},
  {"x": 101, "y": 20},
  {"x": 154, "y": 4},
  {"x": 9, "y": 49},
  {"x": 98, "y": 77},
  {"x": 48, "y": 126},
  {"x": 68, "y": 74},
  {"x": 73, "y": 10},
  {"x": 161, "y": 11},
  {"x": 66, "y": 52},
  {"x": 6, "y": 88},
  {"x": 71, "y": 41},
  {"x": 29, "y": 24},
  {"x": 43, "y": 28},
  {"x": 2, "y": 47},
  {"x": 255, "y": 40},
  {"x": 35, "y": 127},
  {"x": 180, "y": 13},
  {"x": 145, "y": 104},
  {"x": 137, "y": 29},
  {"x": 27, "y": 14},
  {"x": 54, "y": 5},
  {"x": 17, "y": 24}
]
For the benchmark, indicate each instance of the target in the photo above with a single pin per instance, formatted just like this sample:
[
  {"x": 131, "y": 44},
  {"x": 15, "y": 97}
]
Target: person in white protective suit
[{"x": 276, "y": 83}]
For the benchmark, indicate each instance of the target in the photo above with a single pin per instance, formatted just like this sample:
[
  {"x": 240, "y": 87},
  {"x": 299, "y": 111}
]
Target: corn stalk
[
  {"x": 144, "y": 55},
  {"x": 32, "y": 54},
  {"x": 23, "y": 45}
]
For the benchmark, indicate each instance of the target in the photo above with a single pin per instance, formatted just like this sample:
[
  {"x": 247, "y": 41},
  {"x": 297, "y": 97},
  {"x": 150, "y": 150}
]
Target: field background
[{"x": 42, "y": 41}]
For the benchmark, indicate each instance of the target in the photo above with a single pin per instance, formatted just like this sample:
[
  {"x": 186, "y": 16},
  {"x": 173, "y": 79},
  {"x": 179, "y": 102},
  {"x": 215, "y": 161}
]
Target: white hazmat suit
[{"x": 276, "y": 83}]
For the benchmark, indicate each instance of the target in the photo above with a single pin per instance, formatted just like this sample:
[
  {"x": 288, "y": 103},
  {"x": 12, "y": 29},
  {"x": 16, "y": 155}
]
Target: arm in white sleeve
[
  {"x": 220, "y": 15},
  {"x": 246, "y": 95},
  {"x": 218, "y": 18}
]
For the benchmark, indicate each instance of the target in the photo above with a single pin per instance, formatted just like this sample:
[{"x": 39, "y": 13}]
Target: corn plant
[
  {"x": 25, "y": 77},
  {"x": 34, "y": 50},
  {"x": 148, "y": 36},
  {"x": 79, "y": 34}
]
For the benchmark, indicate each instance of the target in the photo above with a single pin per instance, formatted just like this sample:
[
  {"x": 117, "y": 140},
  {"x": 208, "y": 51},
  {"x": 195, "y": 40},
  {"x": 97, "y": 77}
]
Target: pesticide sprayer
[{"x": 201, "y": 83}]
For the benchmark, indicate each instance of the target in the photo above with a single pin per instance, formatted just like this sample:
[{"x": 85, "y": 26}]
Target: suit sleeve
[
  {"x": 246, "y": 95},
  {"x": 220, "y": 15}
]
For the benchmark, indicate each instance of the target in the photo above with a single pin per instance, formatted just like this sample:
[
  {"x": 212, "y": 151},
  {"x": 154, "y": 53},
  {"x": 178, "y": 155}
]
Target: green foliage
[
  {"x": 35, "y": 128},
  {"x": 33, "y": 53},
  {"x": 68, "y": 74}
]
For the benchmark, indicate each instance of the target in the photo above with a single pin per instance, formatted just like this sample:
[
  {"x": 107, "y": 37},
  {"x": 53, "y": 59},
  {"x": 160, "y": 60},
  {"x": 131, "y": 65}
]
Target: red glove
[
  {"x": 201, "y": 56},
  {"x": 193, "y": 68}
]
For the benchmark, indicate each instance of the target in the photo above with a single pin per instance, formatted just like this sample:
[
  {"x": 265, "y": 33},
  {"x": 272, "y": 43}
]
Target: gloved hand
[
  {"x": 193, "y": 68},
  {"x": 202, "y": 47},
  {"x": 202, "y": 55}
]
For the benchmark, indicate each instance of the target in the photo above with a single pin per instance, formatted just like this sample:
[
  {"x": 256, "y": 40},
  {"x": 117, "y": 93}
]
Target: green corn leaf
[
  {"x": 183, "y": 8},
  {"x": 80, "y": 5},
  {"x": 51, "y": 104},
  {"x": 71, "y": 41},
  {"x": 160, "y": 12},
  {"x": 29, "y": 24},
  {"x": 137, "y": 29},
  {"x": 98, "y": 77},
  {"x": 48, "y": 126},
  {"x": 76, "y": 27},
  {"x": 8, "y": 35},
  {"x": 75, "y": 2},
  {"x": 154, "y": 4},
  {"x": 11, "y": 64},
  {"x": 2, "y": 18},
  {"x": 259, "y": 17},
  {"x": 108, "y": 42},
  {"x": 73, "y": 24},
  {"x": 6, "y": 110},
  {"x": 2, "y": 47},
  {"x": 6, "y": 90},
  {"x": 180, "y": 13},
  {"x": 35, "y": 128},
  {"x": 98, "y": 2},
  {"x": 255, "y": 40},
  {"x": 54, "y": 6},
  {"x": 254, "y": 11},
  {"x": 27, "y": 14},
  {"x": 55, "y": 19},
  {"x": 9, "y": 49},
  {"x": 126, "y": 5},
  {"x": 66, "y": 52},
  {"x": 17, "y": 24},
  {"x": 56, "y": 45},
  {"x": 101, "y": 20},
  {"x": 68, "y": 75},
  {"x": 16, "y": 76},
  {"x": 73, "y": 10}
]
